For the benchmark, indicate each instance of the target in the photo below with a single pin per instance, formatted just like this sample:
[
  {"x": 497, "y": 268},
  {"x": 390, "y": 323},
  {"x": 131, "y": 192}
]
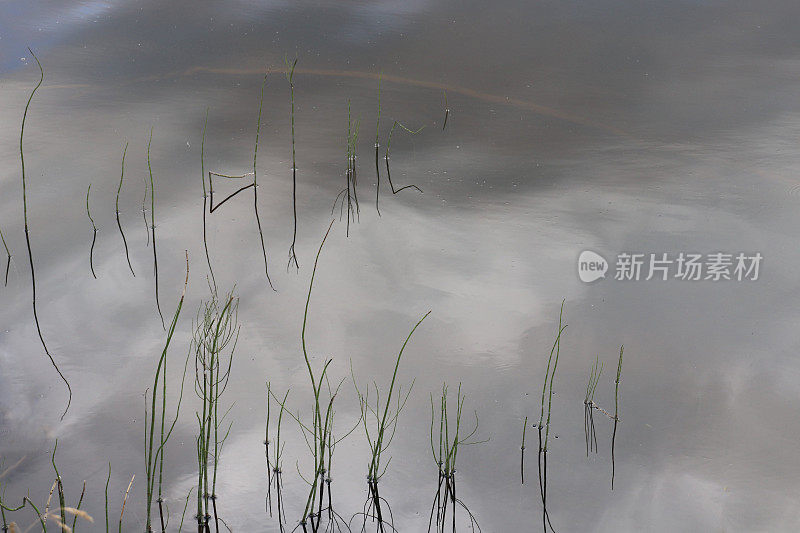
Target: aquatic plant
[
  {"x": 274, "y": 466},
  {"x": 382, "y": 415},
  {"x": 290, "y": 79},
  {"x": 153, "y": 226},
  {"x": 348, "y": 196},
  {"x": 119, "y": 224},
  {"x": 8, "y": 259},
  {"x": 94, "y": 232},
  {"x": 445, "y": 454},
  {"x": 255, "y": 183},
  {"x": 616, "y": 416},
  {"x": 205, "y": 200},
  {"x": 216, "y": 329},
  {"x": 386, "y": 156},
  {"x": 544, "y": 423},
  {"x": 28, "y": 235},
  {"x": 589, "y": 406},
  {"x": 154, "y": 457}
]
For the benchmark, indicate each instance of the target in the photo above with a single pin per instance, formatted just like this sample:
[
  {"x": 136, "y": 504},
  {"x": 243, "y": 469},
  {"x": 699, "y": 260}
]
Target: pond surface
[{"x": 612, "y": 127}]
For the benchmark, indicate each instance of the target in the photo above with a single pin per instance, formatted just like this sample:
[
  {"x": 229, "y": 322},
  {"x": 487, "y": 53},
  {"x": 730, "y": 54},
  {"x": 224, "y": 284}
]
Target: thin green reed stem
[
  {"x": 28, "y": 237},
  {"x": 377, "y": 146},
  {"x": 108, "y": 479},
  {"x": 255, "y": 183},
  {"x": 522, "y": 455},
  {"x": 144, "y": 211},
  {"x": 205, "y": 199},
  {"x": 94, "y": 232},
  {"x": 119, "y": 224},
  {"x": 292, "y": 255},
  {"x": 153, "y": 227},
  {"x": 446, "y": 111},
  {"x": 78, "y": 507},
  {"x": 552, "y": 377},
  {"x": 616, "y": 416},
  {"x": 386, "y": 157},
  {"x": 61, "y": 502},
  {"x": 8, "y": 253}
]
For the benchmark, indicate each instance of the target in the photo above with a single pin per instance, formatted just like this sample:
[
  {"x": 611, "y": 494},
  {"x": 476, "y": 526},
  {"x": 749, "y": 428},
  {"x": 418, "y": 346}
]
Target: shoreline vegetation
[{"x": 213, "y": 341}]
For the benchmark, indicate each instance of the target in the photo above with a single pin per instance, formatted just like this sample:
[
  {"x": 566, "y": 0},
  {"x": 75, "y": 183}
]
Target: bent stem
[
  {"x": 388, "y": 146},
  {"x": 94, "y": 232},
  {"x": 28, "y": 237},
  {"x": 119, "y": 224},
  {"x": 616, "y": 415},
  {"x": 205, "y": 199},
  {"x": 255, "y": 184},
  {"x": 8, "y": 260}
]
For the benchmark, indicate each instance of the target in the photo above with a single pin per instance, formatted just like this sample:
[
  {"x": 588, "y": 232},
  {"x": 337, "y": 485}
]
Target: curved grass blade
[
  {"x": 8, "y": 261},
  {"x": 205, "y": 199},
  {"x": 28, "y": 237},
  {"x": 255, "y": 184},
  {"x": 292, "y": 255}
]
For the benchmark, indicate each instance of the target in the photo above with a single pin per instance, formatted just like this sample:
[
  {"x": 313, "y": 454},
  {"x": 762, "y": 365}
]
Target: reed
[
  {"x": 144, "y": 211},
  {"x": 290, "y": 79},
  {"x": 450, "y": 439},
  {"x": 205, "y": 199},
  {"x": 255, "y": 183},
  {"x": 522, "y": 452},
  {"x": 153, "y": 227},
  {"x": 589, "y": 406},
  {"x": 60, "y": 485},
  {"x": 616, "y": 416},
  {"x": 377, "y": 147},
  {"x": 274, "y": 466},
  {"x": 348, "y": 196},
  {"x": 76, "y": 511},
  {"x": 383, "y": 416},
  {"x": 124, "y": 501},
  {"x": 94, "y": 232},
  {"x": 319, "y": 434},
  {"x": 154, "y": 457},
  {"x": 8, "y": 257},
  {"x": 216, "y": 329},
  {"x": 544, "y": 423},
  {"x": 119, "y": 224},
  {"x": 28, "y": 236}
]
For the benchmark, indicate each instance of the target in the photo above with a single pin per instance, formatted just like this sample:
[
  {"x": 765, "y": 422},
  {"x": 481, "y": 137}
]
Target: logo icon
[{"x": 591, "y": 266}]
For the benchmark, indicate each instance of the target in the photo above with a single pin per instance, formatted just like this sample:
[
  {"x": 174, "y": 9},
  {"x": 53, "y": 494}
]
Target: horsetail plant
[
  {"x": 119, "y": 224},
  {"x": 377, "y": 146},
  {"x": 290, "y": 79},
  {"x": 544, "y": 423},
  {"x": 216, "y": 329},
  {"x": 205, "y": 199},
  {"x": 445, "y": 455},
  {"x": 94, "y": 232},
  {"x": 349, "y": 194},
  {"x": 153, "y": 226},
  {"x": 28, "y": 236},
  {"x": 616, "y": 415},
  {"x": 589, "y": 406},
  {"x": 384, "y": 414},
  {"x": 274, "y": 470},
  {"x": 255, "y": 183},
  {"x": 154, "y": 456}
]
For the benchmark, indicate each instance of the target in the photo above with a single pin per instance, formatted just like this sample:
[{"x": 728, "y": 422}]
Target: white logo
[{"x": 591, "y": 266}]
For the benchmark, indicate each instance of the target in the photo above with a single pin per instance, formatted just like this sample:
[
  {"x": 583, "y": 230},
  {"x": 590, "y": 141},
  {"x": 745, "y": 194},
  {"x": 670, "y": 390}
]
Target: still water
[{"x": 662, "y": 127}]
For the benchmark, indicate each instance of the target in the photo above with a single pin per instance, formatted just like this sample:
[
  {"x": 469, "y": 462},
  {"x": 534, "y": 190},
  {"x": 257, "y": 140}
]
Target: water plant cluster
[{"x": 214, "y": 337}]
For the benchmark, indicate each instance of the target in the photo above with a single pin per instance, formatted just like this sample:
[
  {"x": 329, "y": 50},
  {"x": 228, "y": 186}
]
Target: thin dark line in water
[
  {"x": 8, "y": 261},
  {"x": 94, "y": 232},
  {"x": 213, "y": 207},
  {"x": 119, "y": 224},
  {"x": 144, "y": 212},
  {"x": 28, "y": 238},
  {"x": 446, "y": 110},
  {"x": 153, "y": 226},
  {"x": 388, "y": 146},
  {"x": 292, "y": 254},
  {"x": 255, "y": 182},
  {"x": 377, "y": 146},
  {"x": 205, "y": 200}
]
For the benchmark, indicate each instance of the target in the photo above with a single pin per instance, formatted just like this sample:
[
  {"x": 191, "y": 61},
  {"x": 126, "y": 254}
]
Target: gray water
[{"x": 611, "y": 127}]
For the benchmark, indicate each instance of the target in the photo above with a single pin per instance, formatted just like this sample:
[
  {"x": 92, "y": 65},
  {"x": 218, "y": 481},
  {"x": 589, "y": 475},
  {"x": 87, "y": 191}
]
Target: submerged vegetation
[
  {"x": 119, "y": 224},
  {"x": 94, "y": 232}
]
